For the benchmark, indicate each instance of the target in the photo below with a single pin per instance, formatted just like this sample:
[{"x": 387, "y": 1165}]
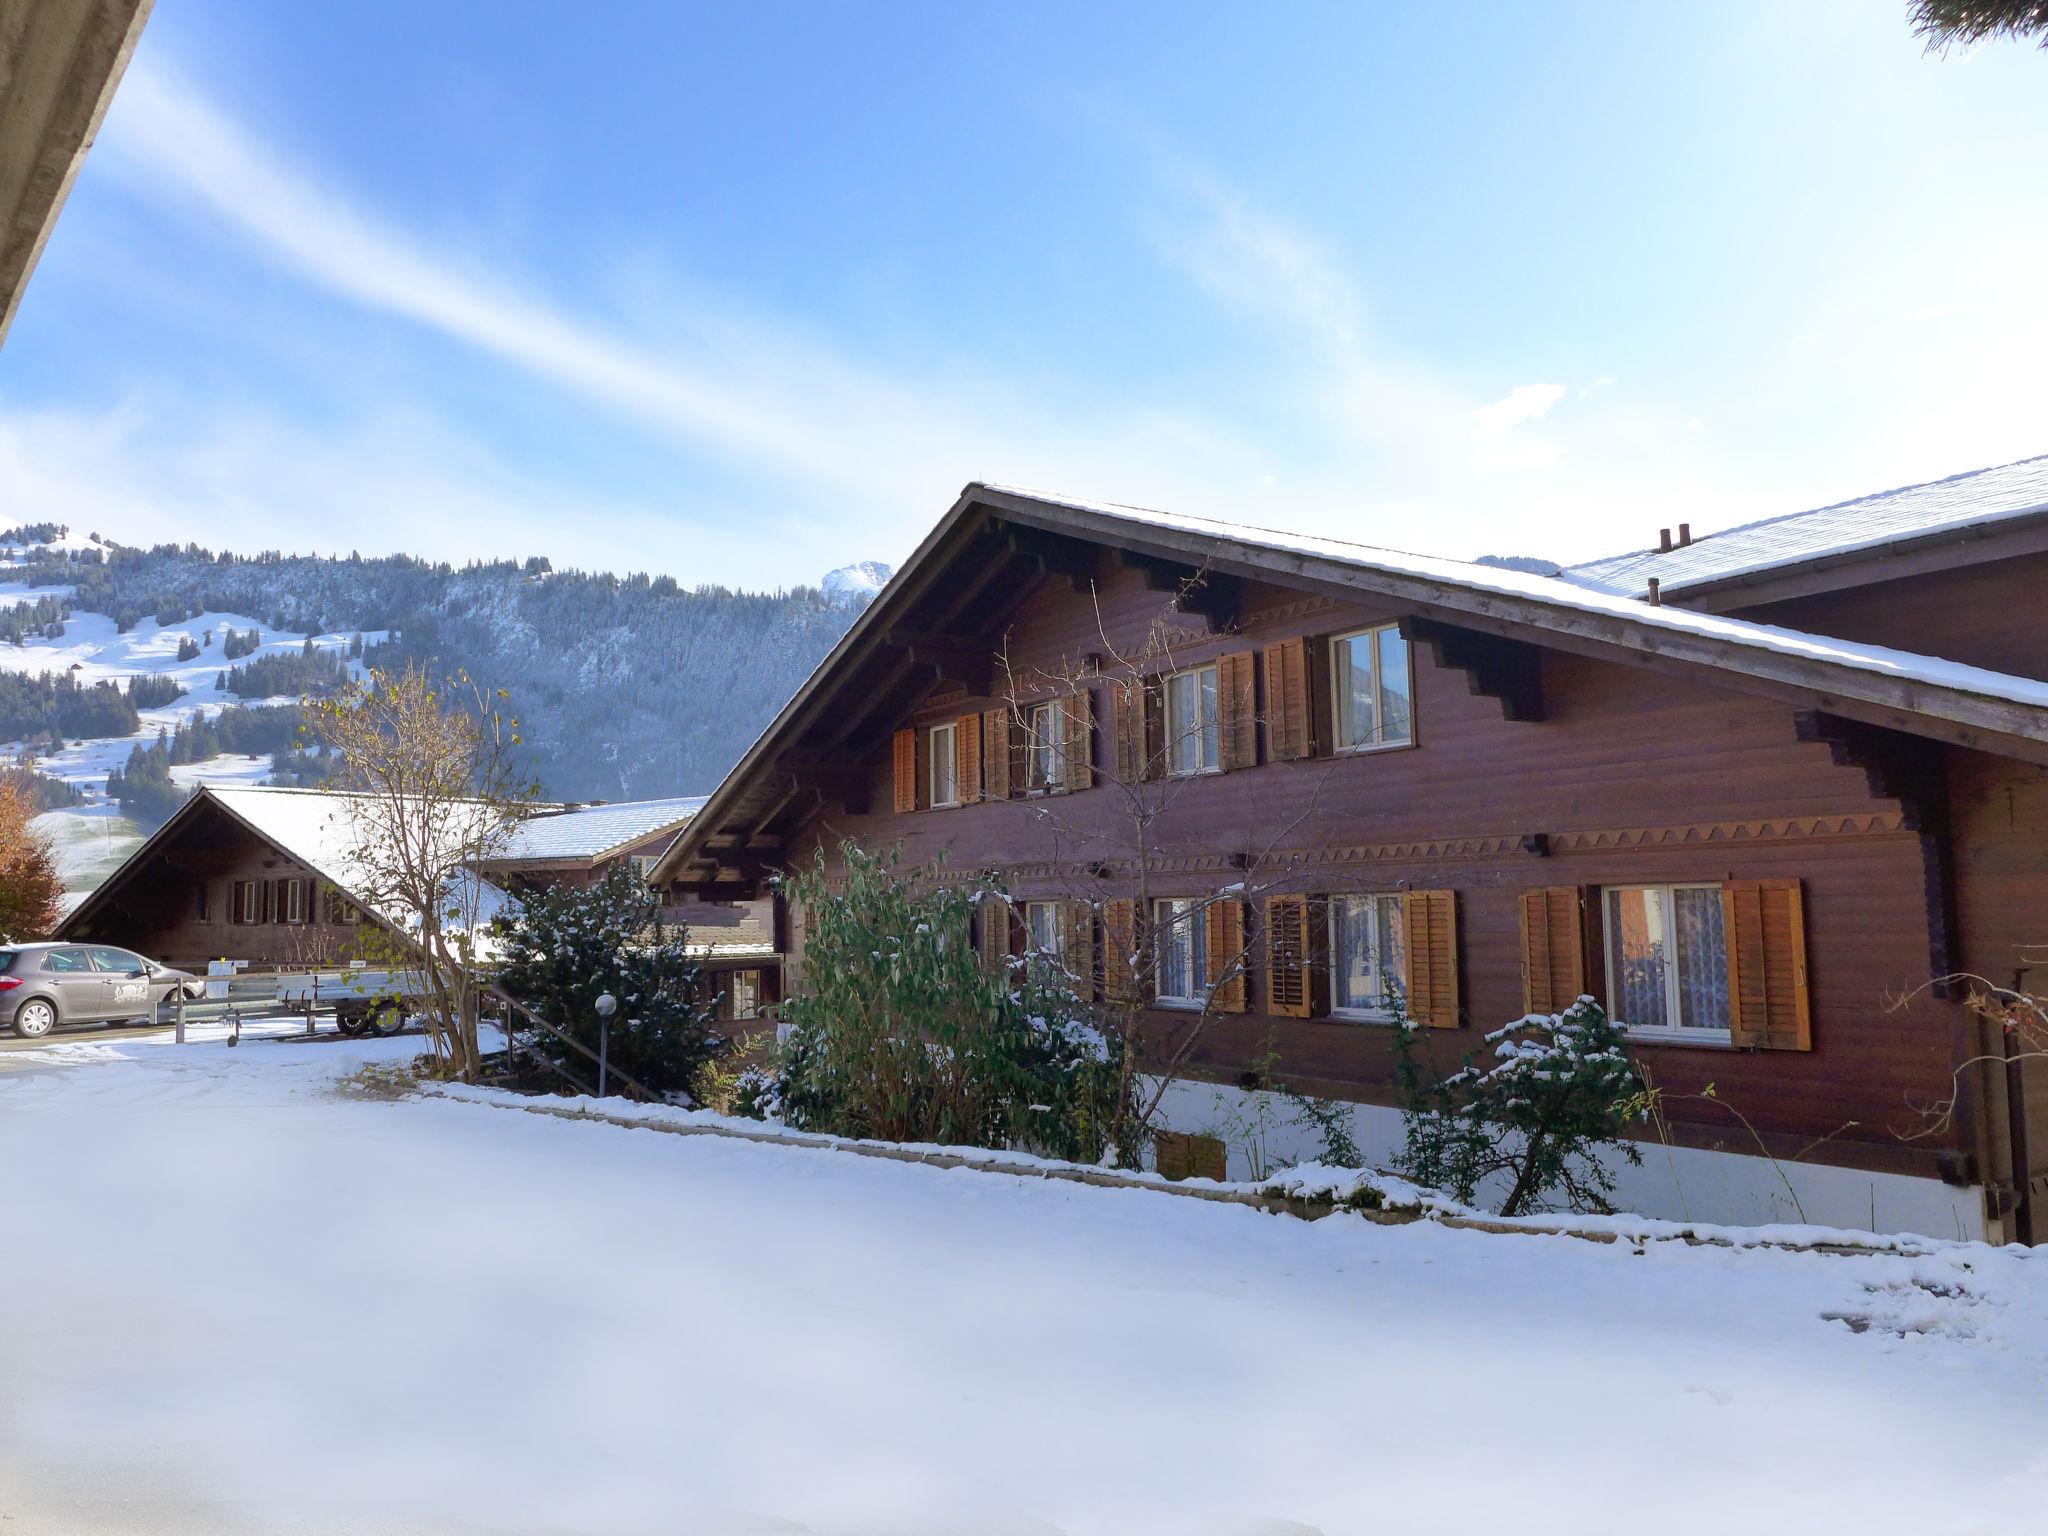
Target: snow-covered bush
[
  {"x": 568, "y": 946},
  {"x": 1554, "y": 1103},
  {"x": 902, "y": 1033}
]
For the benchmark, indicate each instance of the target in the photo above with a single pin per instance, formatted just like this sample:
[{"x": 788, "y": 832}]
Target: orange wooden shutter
[
  {"x": 1287, "y": 734},
  {"x": 1237, "y": 707},
  {"x": 995, "y": 754},
  {"x": 967, "y": 757},
  {"x": 1119, "y": 949},
  {"x": 1133, "y": 755},
  {"x": 994, "y": 937},
  {"x": 1429, "y": 924},
  {"x": 1079, "y": 714},
  {"x": 1287, "y": 957},
  {"x": 1077, "y": 940},
  {"x": 906, "y": 771},
  {"x": 1768, "y": 1007},
  {"x": 1553, "y": 950},
  {"x": 1224, "y": 926}
]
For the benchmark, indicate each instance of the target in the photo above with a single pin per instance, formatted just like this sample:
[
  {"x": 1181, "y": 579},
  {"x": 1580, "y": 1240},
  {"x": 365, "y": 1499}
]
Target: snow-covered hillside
[
  {"x": 91, "y": 838},
  {"x": 856, "y": 583}
]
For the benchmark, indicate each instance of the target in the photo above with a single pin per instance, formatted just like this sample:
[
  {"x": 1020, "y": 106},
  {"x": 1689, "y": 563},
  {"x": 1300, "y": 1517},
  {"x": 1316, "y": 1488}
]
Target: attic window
[{"x": 945, "y": 781}]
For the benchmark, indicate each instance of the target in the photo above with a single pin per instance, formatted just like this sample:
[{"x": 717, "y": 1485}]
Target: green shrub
[
  {"x": 1543, "y": 1117},
  {"x": 568, "y": 946},
  {"x": 901, "y": 1033}
]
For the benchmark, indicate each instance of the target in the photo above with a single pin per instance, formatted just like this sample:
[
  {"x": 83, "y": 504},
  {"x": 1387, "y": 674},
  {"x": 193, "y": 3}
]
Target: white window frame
[
  {"x": 1048, "y": 746},
  {"x": 1191, "y": 913},
  {"x": 1176, "y": 732},
  {"x": 240, "y": 911},
  {"x": 1679, "y": 1034},
  {"x": 1340, "y": 696},
  {"x": 294, "y": 904},
  {"x": 1395, "y": 984},
  {"x": 1047, "y": 914},
  {"x": 951, "y": 731}
]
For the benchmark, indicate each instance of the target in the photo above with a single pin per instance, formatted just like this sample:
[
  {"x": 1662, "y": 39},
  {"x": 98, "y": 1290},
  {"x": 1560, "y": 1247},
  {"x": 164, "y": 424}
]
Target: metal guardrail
[{"x": 313, "y": 991}]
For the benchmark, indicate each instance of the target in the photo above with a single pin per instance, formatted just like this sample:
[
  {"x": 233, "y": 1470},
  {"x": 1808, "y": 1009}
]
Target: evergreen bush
[
  {"x": 1543, "y": 1118},
  {"x": 902, "y": 1033}
]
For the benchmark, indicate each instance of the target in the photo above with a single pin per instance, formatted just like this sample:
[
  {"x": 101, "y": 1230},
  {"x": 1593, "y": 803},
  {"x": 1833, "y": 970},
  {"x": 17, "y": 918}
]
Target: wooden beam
[
  {"x": 1197, "y": 591},
  {"x": 1510, "y": 671}
]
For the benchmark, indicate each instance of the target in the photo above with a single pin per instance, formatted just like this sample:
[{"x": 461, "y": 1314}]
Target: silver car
[{"x": 44, "y": 985}]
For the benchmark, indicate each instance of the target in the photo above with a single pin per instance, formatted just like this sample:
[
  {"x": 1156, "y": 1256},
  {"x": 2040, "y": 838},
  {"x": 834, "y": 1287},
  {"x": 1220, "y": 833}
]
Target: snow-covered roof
[
  {"x": 1867, "y": 523},
  {"x": 592, "y": 831},
  {"x": 316, "y": 827},
  {"x": 1560, "y": 593}
]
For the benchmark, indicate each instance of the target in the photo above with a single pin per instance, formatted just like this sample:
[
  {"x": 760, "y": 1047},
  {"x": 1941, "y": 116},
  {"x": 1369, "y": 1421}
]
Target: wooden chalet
[{"x": 1759, "y": 792}]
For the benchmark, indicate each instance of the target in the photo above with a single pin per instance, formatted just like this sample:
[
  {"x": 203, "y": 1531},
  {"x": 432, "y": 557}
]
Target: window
[
  {"x": 1667, "y": 961},
  {"x": 247, "y": 904},
  {"x": 1047, "y": 941},
  {"x": 1045, "y": 766},
  {"x": 67, "y": 962},
  {"x": 116, "y": 962},
  {"x": 202, "y": 902},
  {"x": 1194, "y": 739},
  {"x": 292, "y": 901},
  {"x": 1373, "y": 703},
  {"x": 945, "y": 785},
  {"x": 1366, "y": 956},
  {"x": 643, "y": 865},
  {"x": 1182, "y": 928}
]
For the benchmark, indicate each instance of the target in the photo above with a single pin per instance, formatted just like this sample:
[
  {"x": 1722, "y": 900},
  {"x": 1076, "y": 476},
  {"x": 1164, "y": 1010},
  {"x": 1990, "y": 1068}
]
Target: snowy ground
[
  {"x": 239, "y": 1304},
  {"x": 93, "y": 838}
]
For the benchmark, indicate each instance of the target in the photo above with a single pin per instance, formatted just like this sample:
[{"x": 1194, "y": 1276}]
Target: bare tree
[
  {"x": 1200, "y": 950},
  {"x": 432, "y": 793},
  {"x": 1942, "y": 22}
]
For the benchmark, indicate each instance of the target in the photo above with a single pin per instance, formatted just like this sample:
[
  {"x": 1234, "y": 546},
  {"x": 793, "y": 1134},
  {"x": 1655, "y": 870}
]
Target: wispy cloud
[{"x": 1525, "y": 402}]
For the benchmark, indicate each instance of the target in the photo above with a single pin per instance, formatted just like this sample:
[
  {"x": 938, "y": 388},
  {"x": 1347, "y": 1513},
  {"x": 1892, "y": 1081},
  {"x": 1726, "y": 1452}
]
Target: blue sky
[{"x": 743, "y": 293}]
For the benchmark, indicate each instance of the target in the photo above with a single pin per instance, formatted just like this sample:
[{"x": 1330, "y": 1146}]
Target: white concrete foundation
[{"x": 1676, "y": 1183}]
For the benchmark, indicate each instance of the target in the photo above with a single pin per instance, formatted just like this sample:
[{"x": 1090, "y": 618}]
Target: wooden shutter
[
  {"x": 1767, "y": 992},
  {"x": 1287, "y": 956},
  {"x": 905, "y": 762},
  {"x": 1224, "y": 926},
  {"x": 1079, "y": 714},
  {"x": 996, "y": 783},
  {"x": 1429, "y": 923},
  {"x": 1119, "y": 945},
  {"x": 1176, "y": 1155},
  {"x": 967, "y": 757},
  {"x": 1553, "y": 949},
  {"x": 1077, "y": 940},
  {"x": 1133, "y": 737},
  {"x": 1287, "y": 700},
  {"x": 996, "y": 917},
  {"x": 1237, "y": 709}
]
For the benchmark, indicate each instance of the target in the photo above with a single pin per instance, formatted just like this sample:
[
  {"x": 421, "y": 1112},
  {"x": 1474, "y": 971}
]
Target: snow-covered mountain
[
  {"x": 856, "y": 584},
  {"x": 627, "y": 687}
]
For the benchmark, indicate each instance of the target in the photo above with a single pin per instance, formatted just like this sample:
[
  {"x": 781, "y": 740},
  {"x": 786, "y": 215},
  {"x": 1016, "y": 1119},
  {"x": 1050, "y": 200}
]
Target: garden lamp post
[{"x": 606, "y": 1004}]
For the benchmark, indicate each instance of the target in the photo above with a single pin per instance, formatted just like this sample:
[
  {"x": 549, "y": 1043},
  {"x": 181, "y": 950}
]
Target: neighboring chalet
[
  {"x": 267, "y": 875},
  {"x": 1758, "y": 792},
  {"x": 579, "y": 844}
]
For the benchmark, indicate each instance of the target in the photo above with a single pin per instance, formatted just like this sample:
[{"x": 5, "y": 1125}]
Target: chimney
[
  {"x": 1655, "y": 600},
  {"x": 1684, "y": 534},
  {"x": 1663, "y": 541}
]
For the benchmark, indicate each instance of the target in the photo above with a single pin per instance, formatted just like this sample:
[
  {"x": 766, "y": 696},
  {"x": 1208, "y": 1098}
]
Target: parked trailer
[{"x": 362, "y": 999}]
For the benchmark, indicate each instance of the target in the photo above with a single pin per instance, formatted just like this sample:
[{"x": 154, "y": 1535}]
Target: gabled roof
[
  {"x": 589, "y": 834},
  {"x": 1924, "y": 695},
  {"x": 1843, "y": 533},
  {"x": 313, "y": 827}
]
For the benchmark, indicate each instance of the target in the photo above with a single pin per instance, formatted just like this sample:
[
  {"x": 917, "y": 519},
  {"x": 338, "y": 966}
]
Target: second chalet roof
[
  {"x": 590, "y": 832},
  {"x": 314, "y": 827},
  {"x": 1845, "y": 530}
]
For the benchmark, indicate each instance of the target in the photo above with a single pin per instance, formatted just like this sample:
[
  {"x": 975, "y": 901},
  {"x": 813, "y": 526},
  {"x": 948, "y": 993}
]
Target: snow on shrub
[{"x": 1543, "y": 1118}]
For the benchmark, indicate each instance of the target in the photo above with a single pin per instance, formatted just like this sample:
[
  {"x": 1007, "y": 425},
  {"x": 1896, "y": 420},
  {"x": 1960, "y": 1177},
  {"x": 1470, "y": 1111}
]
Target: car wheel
[
  {"x": 34, "y": 1019},
  {"x": 384, "y": 1019}
]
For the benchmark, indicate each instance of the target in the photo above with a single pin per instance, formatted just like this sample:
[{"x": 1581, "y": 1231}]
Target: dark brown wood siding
[{"x": 1630, "y": 777}]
